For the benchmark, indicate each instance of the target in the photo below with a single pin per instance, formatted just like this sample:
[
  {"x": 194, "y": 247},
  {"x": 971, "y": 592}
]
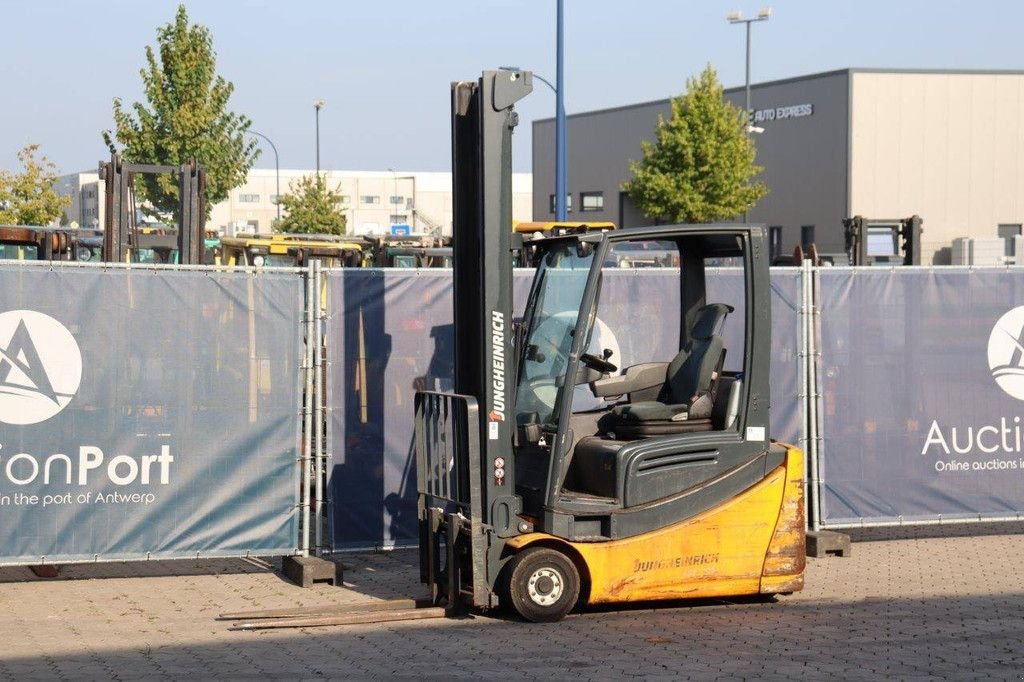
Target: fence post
[
  {"x": 307, "y": 412},
  {"x": 803, "y": 350},
  {"x": 813, "y": 395},
  {"x": 318, "y": 411},
  {"x": 810, "y": 392}
]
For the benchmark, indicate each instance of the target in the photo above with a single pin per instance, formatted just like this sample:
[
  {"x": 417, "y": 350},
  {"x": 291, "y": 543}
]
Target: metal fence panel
[
  {"x": 148, "y": 413},
  {"x": 389, "y": 332},
  {"x": 921, "y": 380}
]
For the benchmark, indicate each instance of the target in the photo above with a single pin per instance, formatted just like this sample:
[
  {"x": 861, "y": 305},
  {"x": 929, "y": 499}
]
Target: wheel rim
[{"x": 545, "y": 586}]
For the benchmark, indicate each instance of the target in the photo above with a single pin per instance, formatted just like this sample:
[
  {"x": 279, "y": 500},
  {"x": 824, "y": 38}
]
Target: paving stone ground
[{"x": 926, "y": 607}]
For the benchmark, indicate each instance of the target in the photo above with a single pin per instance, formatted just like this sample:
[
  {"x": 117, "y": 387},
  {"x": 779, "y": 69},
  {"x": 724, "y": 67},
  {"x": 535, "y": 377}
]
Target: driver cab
[{"x": 639, "y": 399}]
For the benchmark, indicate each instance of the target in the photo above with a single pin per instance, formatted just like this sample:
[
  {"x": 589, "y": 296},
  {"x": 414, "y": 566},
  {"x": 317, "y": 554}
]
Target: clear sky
[{"x": 383, "y": 67}]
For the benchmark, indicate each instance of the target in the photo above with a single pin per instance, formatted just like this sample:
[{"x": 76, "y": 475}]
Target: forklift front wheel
[{"x": 543, "y": 584}]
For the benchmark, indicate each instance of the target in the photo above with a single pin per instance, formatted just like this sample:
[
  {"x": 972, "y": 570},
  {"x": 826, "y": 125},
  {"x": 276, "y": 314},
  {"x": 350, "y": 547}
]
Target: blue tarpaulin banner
[
  {"x": 389, "y": 333},
  {"x": 148, "y": 413},
  {"x": 921, "y": 378}
]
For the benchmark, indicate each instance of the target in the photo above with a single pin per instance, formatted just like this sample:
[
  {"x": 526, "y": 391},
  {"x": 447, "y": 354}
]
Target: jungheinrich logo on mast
[{"x": 40, "y": 367}]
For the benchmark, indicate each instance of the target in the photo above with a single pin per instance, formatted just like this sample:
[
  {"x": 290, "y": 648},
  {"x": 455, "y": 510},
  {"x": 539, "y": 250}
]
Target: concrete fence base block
[
  {"x": 304, "y": 571},
  {"x": 823, "y": 543}
]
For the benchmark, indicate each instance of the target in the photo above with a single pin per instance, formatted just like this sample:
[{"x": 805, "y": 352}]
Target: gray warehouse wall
[
  {"x": 805, "y": 157},
  {"x": 600, "y": 145}
]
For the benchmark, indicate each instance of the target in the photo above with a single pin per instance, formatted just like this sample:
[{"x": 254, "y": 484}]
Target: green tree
[
  {"x": 29, "y": 197},
  {"x": 701, "y": 166},
  {"x": 186, "y": 118},
  {"x": 311, "y": 207}
]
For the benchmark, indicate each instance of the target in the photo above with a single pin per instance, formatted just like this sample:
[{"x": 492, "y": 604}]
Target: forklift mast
[
  {"x": 121, "y": 234},
  {"x": 904, "y": 233},
  {"x": 483, "y": 119}
]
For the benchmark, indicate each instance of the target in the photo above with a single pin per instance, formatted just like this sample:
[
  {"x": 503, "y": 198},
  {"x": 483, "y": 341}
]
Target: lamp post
[
  {"x": 764, "y": 14},
  {"x": 560, "y": 156},
  {"x": 560, "y": 172},
  {"x": 318, "y": 105},
  {"x": 394, "y": 190},
  {"x": 277, "y": 169}
]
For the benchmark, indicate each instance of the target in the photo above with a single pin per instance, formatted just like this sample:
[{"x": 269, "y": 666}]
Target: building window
[
  {"x": 774, "y": 241},
  {"x": 551, "y": 203},
  {"x": 253, "y": 225},
  {"x": 369, "y": 199},
  {"x": 806, "y": 236},
  {"x": 248, "y": 198},
  {"x": 591, "y": 201},
  {"x": 345, "y": 199},
  {"x": 399, "y": 219},
  {"x": 396, "y": 200},
  {"x": 274, "y": 198}
]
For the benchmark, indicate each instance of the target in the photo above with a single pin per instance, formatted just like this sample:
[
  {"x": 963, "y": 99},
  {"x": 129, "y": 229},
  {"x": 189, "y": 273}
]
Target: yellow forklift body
[{"x": 751, "y": 544}]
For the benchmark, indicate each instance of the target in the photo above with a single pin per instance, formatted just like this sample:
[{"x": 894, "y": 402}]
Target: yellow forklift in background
[
  {"x": 292, "y": 250},
  {"x": 523, "y": 234}
]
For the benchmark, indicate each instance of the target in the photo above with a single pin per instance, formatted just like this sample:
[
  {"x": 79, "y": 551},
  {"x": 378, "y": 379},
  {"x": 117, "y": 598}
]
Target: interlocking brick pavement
[{"x": 920, "y": 608}]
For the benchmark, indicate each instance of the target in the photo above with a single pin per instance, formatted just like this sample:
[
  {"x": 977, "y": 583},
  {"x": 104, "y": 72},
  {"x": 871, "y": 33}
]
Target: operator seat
[
  {"x": 685, "y": 405},
  {"x": 688, "y": 395}
]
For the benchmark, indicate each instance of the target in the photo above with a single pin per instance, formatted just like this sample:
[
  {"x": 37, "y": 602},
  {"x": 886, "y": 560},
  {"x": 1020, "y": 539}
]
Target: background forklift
[
  {"x": 671, "y": 489},
  {"x": 293, "y": 250},
  {"x": 27, "y": 242},
  {"x": 408, "y": 251},
  {"x": 883, "y": 242},
  {"x": 124, "y": 240},
  {"x": 523, "y": 234}
]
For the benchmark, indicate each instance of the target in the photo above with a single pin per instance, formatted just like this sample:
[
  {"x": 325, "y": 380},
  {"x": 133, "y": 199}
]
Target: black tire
[{"x": 543, "y": 585}]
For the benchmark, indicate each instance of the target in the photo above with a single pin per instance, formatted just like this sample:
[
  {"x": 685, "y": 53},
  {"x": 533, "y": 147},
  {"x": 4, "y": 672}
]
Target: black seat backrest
[{"x": 695, "y": 368}]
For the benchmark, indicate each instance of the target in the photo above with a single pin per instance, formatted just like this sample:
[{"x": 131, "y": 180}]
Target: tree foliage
[
  {"x": 186, "y": 118},
  {"x": 311, "y": 207},
  {"x": 29, "y": 197},
  {"x": 701, "y": 166}
]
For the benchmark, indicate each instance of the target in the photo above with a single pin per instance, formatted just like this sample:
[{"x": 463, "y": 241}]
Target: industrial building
[
  {"x": 374, "y": 201},
  {"x": 882, "y": 143}
]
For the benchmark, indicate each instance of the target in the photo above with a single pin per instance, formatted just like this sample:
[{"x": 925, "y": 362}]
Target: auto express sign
[
  {"x": 781, "y": 113},
  {"x": 922, "y": 382},
  {"x": 132, "y": 429}
]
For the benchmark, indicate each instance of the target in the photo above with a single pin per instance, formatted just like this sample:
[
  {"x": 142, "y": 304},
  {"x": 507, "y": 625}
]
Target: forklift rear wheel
[{"x": 543, "y": 585}]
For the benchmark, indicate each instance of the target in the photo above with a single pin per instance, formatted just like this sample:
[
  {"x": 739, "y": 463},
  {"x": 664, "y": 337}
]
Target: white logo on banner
[
  {"x": 40, "y": 367},
  {"x": 1006, "y": 352}
]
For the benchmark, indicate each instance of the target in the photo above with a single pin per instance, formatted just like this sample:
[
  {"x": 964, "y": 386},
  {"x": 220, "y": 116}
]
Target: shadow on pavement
[
  {"x": 161, "y": 568},
  {"x": 953, "y": 637},
  {"x": 946, "y": 530}
]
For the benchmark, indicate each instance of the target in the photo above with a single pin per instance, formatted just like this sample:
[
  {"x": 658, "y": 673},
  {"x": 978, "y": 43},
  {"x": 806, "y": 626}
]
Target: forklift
[
  {"x": 124, "y": 240},
  {"x": 872, "y": 241},
  {"x": 551, "y": 478},
  {"x": 671, "y": 488},
  {"x": 523, "y": 253}
]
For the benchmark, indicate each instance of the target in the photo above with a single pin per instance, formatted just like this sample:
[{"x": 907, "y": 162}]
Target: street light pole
[
  {"x": 277, "y": 169},
  {"x": 394, "y": 186},
  {"x": 737, "y": 18},
  {"x": 764, "y": 14},
  {"x": 560, "y": 142},
  {"x": 318, "y": 105}
]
